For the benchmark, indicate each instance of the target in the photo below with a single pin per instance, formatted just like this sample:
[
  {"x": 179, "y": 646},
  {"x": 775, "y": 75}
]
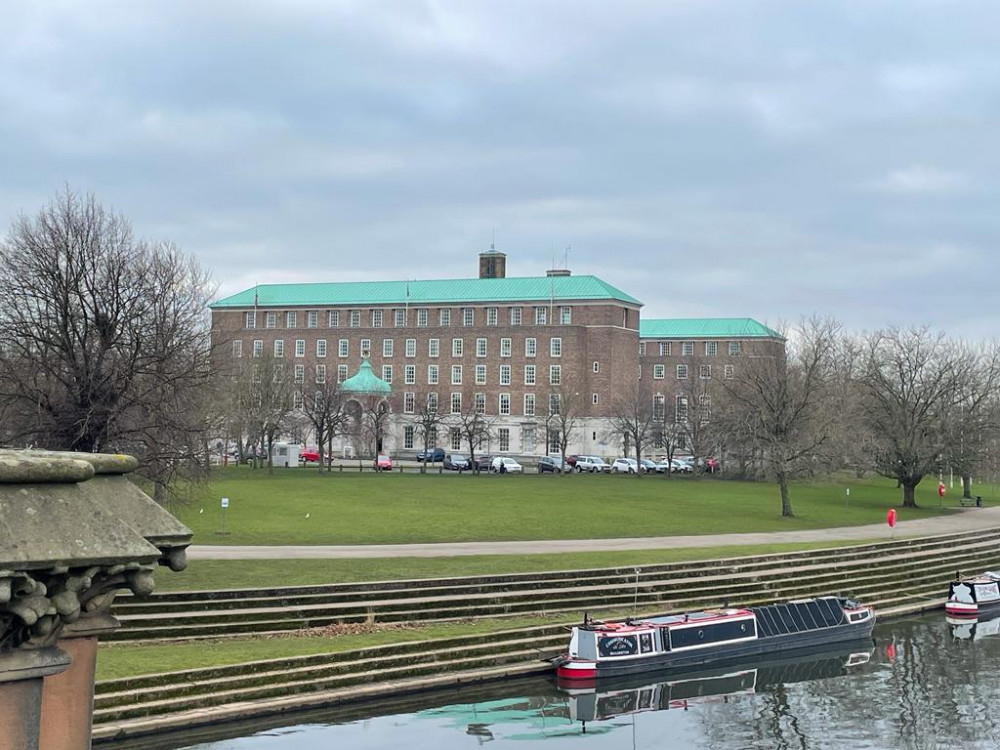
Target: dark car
[
  {"x": 456, "y": 462},
  {"x": 552, "y": 464},
  {"x": 483, "y": 463},
  {"x": 432, "y": 454}
]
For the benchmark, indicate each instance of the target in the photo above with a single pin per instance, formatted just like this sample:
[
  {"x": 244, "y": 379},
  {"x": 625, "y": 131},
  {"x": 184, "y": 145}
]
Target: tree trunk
[
  {"x": 786, "y": 503},
  {"x": 909, "y": 499},
  {"x": 966, "y": 486}
]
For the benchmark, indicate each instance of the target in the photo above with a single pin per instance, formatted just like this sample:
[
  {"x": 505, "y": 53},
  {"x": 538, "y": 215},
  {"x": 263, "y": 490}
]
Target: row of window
[
  {"x": 433, "y": 374},
  {"x": 401, "y": 317},
  {"x": 455, "y": 437},
  {"x": 388, "y": 347},
  {"x": 666, "y": 348},
  {"x": 479, "y": 403},
  {"x": 681, "y": 372}
]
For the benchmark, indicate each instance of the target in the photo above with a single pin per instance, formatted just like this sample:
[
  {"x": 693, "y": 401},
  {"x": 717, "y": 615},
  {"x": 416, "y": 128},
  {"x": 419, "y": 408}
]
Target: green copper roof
[
  {"x": 704, "y": 328},
  {"x": 365, "y": 381},
  {"x": 427, "y": 292}
]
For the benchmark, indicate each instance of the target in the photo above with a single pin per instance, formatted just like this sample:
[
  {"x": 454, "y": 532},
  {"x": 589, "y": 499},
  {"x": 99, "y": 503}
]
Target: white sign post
[{"x": 225, "y": 504}]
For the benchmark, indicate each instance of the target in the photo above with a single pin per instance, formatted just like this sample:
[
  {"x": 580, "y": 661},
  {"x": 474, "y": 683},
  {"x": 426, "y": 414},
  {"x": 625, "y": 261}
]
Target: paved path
[{"x": 960, "y": 520}]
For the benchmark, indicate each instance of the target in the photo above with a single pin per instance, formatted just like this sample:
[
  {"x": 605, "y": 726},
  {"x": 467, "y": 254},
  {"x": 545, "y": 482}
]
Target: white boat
[{"x": 972, "y": 597}]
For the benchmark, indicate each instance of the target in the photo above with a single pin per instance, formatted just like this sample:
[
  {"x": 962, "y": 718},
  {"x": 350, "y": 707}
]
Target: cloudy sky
[{"x": 763, "y": 158}]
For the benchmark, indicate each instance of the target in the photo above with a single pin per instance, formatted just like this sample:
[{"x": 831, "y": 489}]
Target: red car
[
  {"x": 382, "y": 463},
  {"x": 309, "y": 457}
]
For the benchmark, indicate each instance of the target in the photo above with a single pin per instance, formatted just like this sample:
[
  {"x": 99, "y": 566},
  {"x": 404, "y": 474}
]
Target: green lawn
[
  {"x": 256, "y": 574},
  {"x": 300, "y": 506}
]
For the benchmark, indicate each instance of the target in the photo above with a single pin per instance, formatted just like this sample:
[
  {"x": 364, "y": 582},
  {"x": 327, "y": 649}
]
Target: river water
[{"x": 921, "y": 683}]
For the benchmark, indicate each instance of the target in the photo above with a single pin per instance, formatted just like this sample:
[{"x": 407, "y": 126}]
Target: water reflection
[
  {"x": 971, "y": 629},
  {"x": 926, "y": 684}
]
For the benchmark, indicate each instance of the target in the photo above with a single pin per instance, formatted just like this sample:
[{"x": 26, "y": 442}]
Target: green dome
[{"x": 365, "y": 381}]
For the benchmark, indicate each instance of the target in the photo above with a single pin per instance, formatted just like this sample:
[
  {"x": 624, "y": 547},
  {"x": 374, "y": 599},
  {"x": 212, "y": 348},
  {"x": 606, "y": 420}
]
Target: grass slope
[{"x": 300, "y": 506}]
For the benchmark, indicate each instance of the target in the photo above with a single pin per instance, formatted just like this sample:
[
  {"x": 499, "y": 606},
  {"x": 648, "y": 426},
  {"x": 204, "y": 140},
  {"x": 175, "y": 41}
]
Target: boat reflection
[
  {"x": 966, "y": 629},
  {"x": 614, "y": 698}
]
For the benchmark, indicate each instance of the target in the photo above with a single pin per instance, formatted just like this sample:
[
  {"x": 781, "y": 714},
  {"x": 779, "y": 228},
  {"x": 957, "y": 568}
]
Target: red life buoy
[{"x": 890, "y": 517}]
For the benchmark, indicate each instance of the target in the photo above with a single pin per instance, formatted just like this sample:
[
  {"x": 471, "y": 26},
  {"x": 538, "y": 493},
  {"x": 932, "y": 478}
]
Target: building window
[
  {"x": 291, "y": 319},
  {"x": 711, "y": 348},
  {"x": 258, "y": 348},
  {"x": 680, "y": 409},
  {"x": 411, "y": 347},
  {"x": 457, "y": 345},
  {"x": 728, "y": 371},
  {"x": 504, "y": 404},
  {"x": 705, "y": 401},
  {"x": 596, "y": 399},
  {"x": 300, "y": 373},
  {"x": 480, "y": 347},
  {"x": 300, "y": 347},
  {"x": 642, "y": 348},
  {"x": 408, "y": 430},
  {"x": 343, "y": 347},
  {"x": 480, "y": 403},
  {"x": 529, "y": 374},
  {"x": 410, "y": 374},
  {"x": 237, "y": 348},
  {"x": 468, "y": 316},
  {"x": 597, "y": 366},
  {"x": 456, "y": 374},
  {"x": 665, "y": 348},
  {"x": 355, "y": 318},
  {"x": 456, "y": 439},
  {"x": 320, "y": 347},
  {"x": 399, "y": 318},
  {"x": 456, "y": 403},
  {"x": 555, "y": 374},
  {"x": 529, "y": 404},
  {"x": 279, "y": 348},
  {"x": 296, "y": 400},
  {"x": 320, "y": 373},
  {"x": 444, "y": 316},
  {"x": 659, "y": 407},
  {"x": 659, "y": 372},
  {"x": 504, "y": 436},
  {"x": 504, "y": 347},
  {"x": 504, "y": 374},
  {"x": 250, "y": 320},
  {"x": 554, "y": 446},
  {"x": 491, "y": 316},
  {"x": 541, "y": 316},
  {"x": 432, "y": 374},
  {"x": 682, "y": 372},
  {"x": 527, "y": 438},
  {"x": 565, "y": 315},
  {"x": 312, "y": 319},
  {"x": 530, "y": 347},
  {"x": 376, "y": 318},
  {"x": 687, "y": 349},
  {"x": 386, "y": 347},
  {"x": 432, "y": 405},
  {"x": 366, "y": 347},
  {"x": 333, "y": 319},
  {"x": 515, "y": 316},
  {"x": 341, "y": 373},
  {"x": 554, "y": 403},
  {"x": 480, "y": 374},
  {"x": 270, "y": 320},
  {"x": 387, "y": 373},
  {"x": 705, "y": 372},
  {"x": 409, "y": 402},
  {"x": 422, "y": 317},
  {"x": 555, "y": 347},
  {"x": 433, "y": 347},
  {"x": 734, "y": 348}
]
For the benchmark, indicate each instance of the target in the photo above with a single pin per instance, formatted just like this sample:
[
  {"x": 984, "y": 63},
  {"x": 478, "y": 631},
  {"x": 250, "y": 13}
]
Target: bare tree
[
  {"x": 562, "y": 418},
  {"x": 104, "y": 339},
  {"x": 699, "y": 432},
  {"x": 912, "y": 379},
  {"x": 476, "y": 428},
  {"x": 323, "y": 410},
  {"x": 267, "y": 396},
  {"x": 427, "y": 420},
  {"x": 667, "y": 431},
  {"x": 633, "y": 417},
  {"x": 779, "y": 400}
]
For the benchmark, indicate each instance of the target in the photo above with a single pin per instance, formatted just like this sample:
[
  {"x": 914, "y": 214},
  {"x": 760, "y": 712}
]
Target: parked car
[
  {"x": 432, "y": 454},
  {"x": 456, "y": 462},
  {"x": 592, "y": 464},
  {"x": 662, "y": 466},
  {"x": 571, "y": 460},
  {"x": 624, "y": 466},
  {"x": 649, "y": 467},
  {"x": 382, "y": 463},
  {"x": 309, "y": 457},
  {"x": 510, "y": 466},
  {"x": 484, "y": 462},
  {"x": 552, "y": 464},
  {"x": 681, "y": 467}
]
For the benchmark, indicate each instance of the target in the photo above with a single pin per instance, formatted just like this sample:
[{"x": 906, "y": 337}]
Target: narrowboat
[
  {"x": 972, "y": 597},
  {"x": 709, "y": 638}
]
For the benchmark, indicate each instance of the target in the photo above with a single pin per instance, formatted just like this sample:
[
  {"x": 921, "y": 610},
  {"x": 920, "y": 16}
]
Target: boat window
[
  {"x": 664, "y": 636},
  {"x": 645, "y": 642}
]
